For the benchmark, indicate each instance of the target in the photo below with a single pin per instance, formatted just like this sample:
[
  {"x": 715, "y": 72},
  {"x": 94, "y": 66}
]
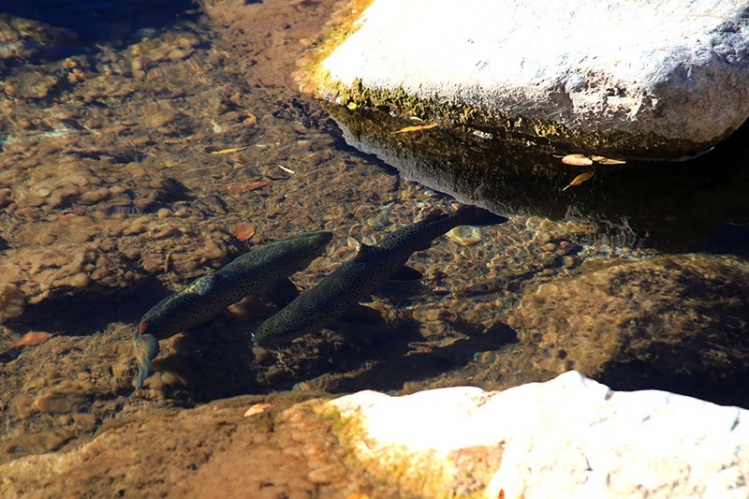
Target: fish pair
[{"x": 311, "y": 311}]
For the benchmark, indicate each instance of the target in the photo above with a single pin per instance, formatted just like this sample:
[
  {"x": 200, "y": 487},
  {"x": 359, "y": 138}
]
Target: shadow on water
[
  {"x": 666, "y": 206},
  {"x": 97, "y": 21}
]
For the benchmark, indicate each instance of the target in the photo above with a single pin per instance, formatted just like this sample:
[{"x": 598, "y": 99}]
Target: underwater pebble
[
  {"x": 62, "y": 399},
  {"x": 12, "y": 301},
  {"x": 325, "y": 475},
  {"x": 94, "y": 195},
  {"x": 38, "y": 443},
  {"x": 432, "y": 329},
  {"x": 6, "y": 197},
  {"x": 569, "y": 261},
  {"x": 465, "y": 235},
  {"x": 171, "y": 379},
  {"x": 261, "y": 354},
  {"x": 162, "y": 118},
  {"x": 85, "y": 421},
  {"x": 136, "y": 226},
  {"x": 79, "y": 280},
  {"x": 164, "y": 213},
  {"x": 549, "y": 247}
]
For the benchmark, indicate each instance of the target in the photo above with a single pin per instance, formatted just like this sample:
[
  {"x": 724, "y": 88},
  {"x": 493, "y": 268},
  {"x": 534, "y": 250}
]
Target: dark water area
[
  {"x": 84, "y": 24},
  {"x": 697, "y": 205}
]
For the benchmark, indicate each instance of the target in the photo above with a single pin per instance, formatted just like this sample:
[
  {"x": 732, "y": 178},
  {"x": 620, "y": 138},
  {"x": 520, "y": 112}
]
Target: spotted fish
[
  {"x": 251, "y": 274},
  {"x": 372, "y": 267}
]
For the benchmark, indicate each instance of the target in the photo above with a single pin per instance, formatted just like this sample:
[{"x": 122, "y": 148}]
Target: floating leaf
[
  {"x": 415, "y": 128},
  {"x": 229, "y": 150},
  {"x": 244, "y": 231},
  {"x": 607, "y": 161},
  {"x": 32, "y": 339},
  {"x": 580, "y": 179},
  {"x": 577, "y": 159}
]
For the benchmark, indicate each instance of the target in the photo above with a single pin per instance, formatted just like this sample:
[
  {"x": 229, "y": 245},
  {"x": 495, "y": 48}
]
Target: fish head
[
  {"x": 265, "y": 337},
  {"x": 316, "y": 241},
  {"x": 306, "y": 246}
]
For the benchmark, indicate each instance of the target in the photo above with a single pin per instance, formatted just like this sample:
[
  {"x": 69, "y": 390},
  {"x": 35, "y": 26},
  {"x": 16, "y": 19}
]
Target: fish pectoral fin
[
  {"x": 406, "y": 274},
  {"x": 281, "y": 293},
  {"x": 361, "y": 315}
]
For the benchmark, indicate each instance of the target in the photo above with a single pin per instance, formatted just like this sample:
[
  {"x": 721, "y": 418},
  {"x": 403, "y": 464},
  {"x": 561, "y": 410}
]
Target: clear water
[{"x": 134, "y": 148}]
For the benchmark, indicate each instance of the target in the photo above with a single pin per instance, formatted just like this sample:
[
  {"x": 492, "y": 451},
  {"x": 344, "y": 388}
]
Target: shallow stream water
[{"x": 139, "y": 144}]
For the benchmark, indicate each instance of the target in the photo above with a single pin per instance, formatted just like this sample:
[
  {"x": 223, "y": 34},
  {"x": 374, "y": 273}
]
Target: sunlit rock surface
[
  {"x": 648, "y": 79},
  {"x": 569, "y": 437}
]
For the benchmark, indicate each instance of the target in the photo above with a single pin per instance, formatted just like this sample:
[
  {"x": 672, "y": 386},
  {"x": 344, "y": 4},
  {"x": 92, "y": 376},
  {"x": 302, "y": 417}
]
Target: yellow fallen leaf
[
  {"x": 351, "y": 106},
  {"x": 32, "y": 339},
  {"x": 258, "y": 408},
  {"x": 250, "y": 120},
  {"x": 607, "y": 161},
  {"x": 580, "y": 179},
  {"x": 243, "y": 231},
  {"x": 577, "y": 159},
  {"x": 229, "y": 150},
  {"x": 415, "y": 128}
]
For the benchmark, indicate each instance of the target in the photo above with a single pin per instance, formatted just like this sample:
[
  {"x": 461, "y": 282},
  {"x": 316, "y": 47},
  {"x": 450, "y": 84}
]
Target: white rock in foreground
[
  {"x": 568, "y": 437},
  {"x": 678, "y": 70}
]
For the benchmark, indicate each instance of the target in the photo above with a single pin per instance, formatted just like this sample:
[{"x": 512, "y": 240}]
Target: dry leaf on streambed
[
  {"x": 32, "y": 338},
  {"x": 244, "y": 231},
  {"x": 258, "y": 408},
  {"x": 414, "y": 128},
  {"x": 229, "y": 150},
  {"x": 579, "y": 159},
  {"x": 603, "y": 160},
  {"x": 580, "y": 179}
]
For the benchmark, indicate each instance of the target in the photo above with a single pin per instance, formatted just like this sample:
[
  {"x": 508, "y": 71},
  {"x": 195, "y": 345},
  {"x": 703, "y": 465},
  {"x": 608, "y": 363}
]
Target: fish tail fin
[
  {"x": 145, "y": 348},
  {"x": 473, "y": 215}
]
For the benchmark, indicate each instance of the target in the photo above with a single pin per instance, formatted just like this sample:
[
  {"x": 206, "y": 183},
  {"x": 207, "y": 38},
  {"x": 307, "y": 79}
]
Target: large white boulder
[
  {"x": 568, "y": 437},
  {"x": 649, "y": 78}
]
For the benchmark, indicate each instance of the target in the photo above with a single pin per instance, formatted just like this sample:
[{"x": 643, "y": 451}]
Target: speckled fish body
[
  {"x": 209, "y": 295},
  {"x": 372, "y": 267}
]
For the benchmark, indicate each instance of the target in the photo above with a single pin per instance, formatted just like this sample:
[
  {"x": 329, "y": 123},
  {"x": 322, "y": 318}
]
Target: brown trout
[
  {"x": 372, "y": 267},
  {"x": 250, "y": 274}
]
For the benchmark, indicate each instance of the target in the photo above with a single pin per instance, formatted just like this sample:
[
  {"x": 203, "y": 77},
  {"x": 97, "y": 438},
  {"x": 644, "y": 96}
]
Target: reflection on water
[{"x": 665, "y": 206}]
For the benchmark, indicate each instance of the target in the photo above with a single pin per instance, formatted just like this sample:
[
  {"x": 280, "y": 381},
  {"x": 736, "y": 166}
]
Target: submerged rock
[
  {"x": 648, "y": 80},
  {"x": 673, "y": 322}
]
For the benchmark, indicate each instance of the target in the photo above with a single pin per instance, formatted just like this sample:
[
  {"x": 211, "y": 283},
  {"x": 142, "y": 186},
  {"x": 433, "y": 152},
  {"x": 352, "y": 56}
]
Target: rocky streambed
[{"x": 128, "y": 168}]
